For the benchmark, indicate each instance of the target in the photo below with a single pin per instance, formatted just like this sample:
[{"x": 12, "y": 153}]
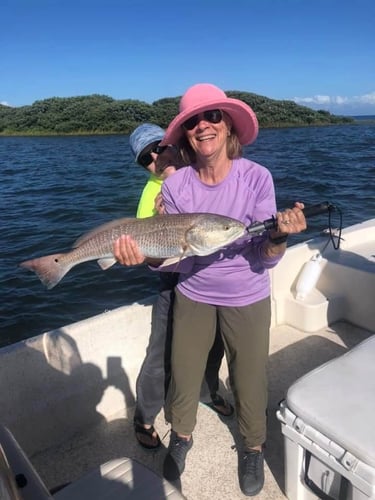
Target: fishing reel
[{"x": 321, "y": 208}]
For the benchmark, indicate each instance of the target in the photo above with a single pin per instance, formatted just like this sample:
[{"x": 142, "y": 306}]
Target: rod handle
[{"x": 320, "y": 208}]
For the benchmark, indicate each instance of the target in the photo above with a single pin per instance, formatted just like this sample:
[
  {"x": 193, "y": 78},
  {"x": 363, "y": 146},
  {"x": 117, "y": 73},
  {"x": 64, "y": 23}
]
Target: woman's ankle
[{"x": 185, "y": 437}]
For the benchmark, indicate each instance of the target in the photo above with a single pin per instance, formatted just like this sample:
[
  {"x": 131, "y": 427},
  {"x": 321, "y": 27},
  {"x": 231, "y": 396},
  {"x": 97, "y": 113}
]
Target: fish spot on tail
[{"x": 48, "y": 269}]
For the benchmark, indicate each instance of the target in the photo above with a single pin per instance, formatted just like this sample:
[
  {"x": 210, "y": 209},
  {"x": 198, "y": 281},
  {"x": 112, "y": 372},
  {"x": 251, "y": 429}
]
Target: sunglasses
[
  {"x": 212, "y": 116},
  {"x": 146, "y": 159}
]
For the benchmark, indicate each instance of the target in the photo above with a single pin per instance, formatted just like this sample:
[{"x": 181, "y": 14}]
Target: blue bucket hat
[{"x": 143, "y": 136}]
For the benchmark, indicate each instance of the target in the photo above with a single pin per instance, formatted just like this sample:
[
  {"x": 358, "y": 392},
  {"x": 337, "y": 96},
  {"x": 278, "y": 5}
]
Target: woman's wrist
[
  {"x": 275, "y": 244},
  {"x": 277, "y": 238}
]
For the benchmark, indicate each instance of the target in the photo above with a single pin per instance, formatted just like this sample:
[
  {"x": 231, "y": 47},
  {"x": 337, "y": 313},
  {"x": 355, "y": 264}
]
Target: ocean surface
[{"x": 53, "y": 189}]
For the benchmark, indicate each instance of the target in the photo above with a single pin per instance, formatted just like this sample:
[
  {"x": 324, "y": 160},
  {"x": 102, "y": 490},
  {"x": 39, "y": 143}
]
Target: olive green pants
[{"x": 245, "y": 332}]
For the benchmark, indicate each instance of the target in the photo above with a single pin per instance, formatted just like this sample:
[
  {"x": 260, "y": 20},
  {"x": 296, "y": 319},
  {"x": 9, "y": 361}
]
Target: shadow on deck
[{"x": 211, "y": 469}]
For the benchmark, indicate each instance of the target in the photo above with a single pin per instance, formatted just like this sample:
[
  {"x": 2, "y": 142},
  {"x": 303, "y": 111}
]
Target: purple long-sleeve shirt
[{"x": 238, "y": 275}]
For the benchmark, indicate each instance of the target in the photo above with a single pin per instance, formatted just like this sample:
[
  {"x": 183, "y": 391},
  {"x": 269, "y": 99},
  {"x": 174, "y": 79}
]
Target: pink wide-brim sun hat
[{"x": 204, "y": 96}]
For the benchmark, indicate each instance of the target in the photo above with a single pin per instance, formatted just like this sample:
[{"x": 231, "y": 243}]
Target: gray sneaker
[
  {"x": 174, "y": 463},
  {"x": 251, "y": 472}
]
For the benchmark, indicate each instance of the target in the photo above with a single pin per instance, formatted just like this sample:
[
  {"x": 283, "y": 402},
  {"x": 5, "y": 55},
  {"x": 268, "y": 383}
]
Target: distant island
[{"x": 100, "y": 114}]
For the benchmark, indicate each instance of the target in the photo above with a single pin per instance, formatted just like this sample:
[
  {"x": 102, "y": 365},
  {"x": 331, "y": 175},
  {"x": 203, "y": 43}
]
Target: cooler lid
[{"x": 338, "y": 400}]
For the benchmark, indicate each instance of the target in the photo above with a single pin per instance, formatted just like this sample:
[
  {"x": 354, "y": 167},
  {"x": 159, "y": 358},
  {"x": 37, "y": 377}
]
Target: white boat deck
[
  {"x": 211, "y": 467},
  {"x": 68, "y": 395}
]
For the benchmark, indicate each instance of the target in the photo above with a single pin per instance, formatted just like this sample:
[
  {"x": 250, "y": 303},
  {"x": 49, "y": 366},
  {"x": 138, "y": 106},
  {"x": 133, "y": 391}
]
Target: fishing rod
[{"x": 320, "y": 208}]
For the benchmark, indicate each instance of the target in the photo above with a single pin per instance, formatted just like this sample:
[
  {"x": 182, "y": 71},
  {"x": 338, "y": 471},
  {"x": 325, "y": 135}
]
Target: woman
[
  {"x": 232, "y": 285},
  {"x": 153, "y": 379}
]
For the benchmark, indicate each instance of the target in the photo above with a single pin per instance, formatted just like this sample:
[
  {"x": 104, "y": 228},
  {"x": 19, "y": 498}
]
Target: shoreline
[{"x": 106, "y": 133}]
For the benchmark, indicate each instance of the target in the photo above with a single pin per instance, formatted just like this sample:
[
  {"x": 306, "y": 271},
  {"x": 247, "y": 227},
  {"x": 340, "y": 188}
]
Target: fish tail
[{"x": 49, "y": 269}]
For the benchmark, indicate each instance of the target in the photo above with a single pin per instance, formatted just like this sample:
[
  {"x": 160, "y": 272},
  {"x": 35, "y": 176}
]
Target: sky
[{"x": 319, "y": 53}]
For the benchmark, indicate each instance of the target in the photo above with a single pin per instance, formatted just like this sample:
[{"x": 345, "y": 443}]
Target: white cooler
[{"x": 328, "y": 423}]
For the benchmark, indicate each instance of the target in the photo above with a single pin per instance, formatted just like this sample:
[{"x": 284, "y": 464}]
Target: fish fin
[
  {"x": 172, "y": 260},
  {"x": 49, "y": 269},
  {"x": 106, "y": 263},
  {"x": 177, "y": 259},
  {"x": 104, "y": 227}
]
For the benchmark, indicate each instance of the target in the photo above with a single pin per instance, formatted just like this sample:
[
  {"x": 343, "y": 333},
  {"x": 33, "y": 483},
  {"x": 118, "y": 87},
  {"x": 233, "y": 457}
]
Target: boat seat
[
  {"x": 120, "y": 478},
  {"x": 18, "y": 478}
]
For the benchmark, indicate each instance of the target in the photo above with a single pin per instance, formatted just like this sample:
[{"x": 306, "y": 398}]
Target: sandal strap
[
  {"x": 142, "y": 430},
  {"x": 218, "y": 400}
]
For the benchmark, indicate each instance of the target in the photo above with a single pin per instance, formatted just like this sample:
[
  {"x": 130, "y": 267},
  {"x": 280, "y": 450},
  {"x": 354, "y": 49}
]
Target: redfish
[{"x": 171, "y": 237}]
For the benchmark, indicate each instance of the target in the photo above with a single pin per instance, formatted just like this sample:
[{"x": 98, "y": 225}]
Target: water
[{"x": 53, "y": 189}]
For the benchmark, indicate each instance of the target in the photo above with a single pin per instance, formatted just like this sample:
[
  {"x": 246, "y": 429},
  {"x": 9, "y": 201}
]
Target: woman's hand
[
  {"x": 291, "y": 220},
  {"x": 126, "y": 251},
  {"x": 159, "y": 205}
]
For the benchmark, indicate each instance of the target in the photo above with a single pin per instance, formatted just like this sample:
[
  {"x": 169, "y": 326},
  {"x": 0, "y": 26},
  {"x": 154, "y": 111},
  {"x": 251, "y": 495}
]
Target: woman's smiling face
[{"x": 209, "y": 139}]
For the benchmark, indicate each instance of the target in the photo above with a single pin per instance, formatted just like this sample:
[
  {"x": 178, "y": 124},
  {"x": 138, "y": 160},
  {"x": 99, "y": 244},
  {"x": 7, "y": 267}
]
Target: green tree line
[{"x": 100, "y": 114}]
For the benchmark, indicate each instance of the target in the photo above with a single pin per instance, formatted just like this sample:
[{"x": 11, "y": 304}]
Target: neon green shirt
[{"x": 146, "y": 204}]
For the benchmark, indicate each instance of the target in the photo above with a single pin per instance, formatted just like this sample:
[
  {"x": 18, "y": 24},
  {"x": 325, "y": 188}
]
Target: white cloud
[
  {"x": 367, "y": 98},
  {"x": 322, "y": 99},
  {"x": 353, "y": 105},
  {"x": 4, "y": 103},
  {"x": 339, "y": 100},
  {"x": 316, "y": 99}
]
